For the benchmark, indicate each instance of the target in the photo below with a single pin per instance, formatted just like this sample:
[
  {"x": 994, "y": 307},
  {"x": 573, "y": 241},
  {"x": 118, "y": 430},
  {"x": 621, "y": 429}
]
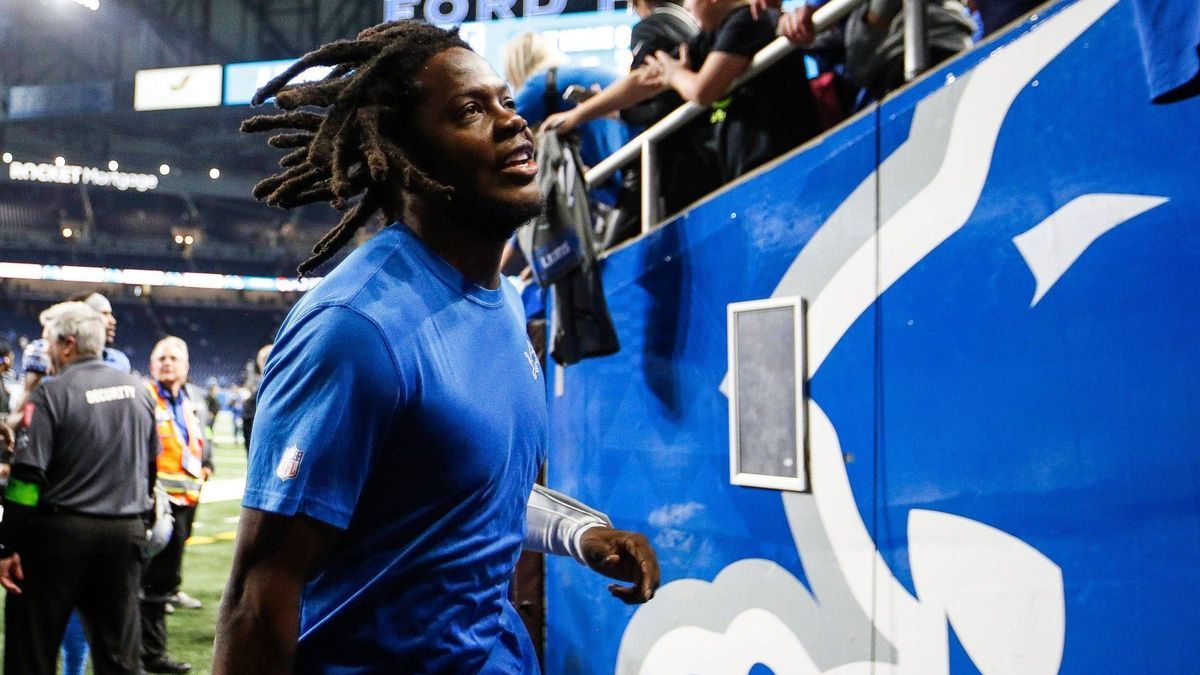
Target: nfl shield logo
[{"x": 289, "y": 464}]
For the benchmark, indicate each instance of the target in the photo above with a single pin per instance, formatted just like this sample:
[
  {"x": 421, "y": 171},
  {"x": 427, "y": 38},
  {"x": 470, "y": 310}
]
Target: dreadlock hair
[{"x": 343, "y": 155}]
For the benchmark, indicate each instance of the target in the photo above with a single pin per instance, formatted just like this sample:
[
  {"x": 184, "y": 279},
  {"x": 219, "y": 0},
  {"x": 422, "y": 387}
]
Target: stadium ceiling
[{"x": 65, "y": 43}]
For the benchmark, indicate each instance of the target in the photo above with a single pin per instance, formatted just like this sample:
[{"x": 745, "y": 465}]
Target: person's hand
[
  {"x": 563, "y": 122},
  {"x": 662, "y": 67},
  {"x": 798, "y": 26},
  {"x": 6, "y": 438},
  {"x": 11, "y": 573},
  {"x": 759, "y": 6},
  {"x": 625, "y": 556},
  {"x": 647, "y": 76},
  {"x": 208, "y": 472}
]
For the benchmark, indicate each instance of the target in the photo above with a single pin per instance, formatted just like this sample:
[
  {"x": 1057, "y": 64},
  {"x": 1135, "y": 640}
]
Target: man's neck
[
  {"x": 475, "y": 255},
  {"x": 75, "y": 358}
]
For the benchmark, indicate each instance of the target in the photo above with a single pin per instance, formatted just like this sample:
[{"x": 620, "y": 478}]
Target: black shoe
[{"x": 165, "y": 664}]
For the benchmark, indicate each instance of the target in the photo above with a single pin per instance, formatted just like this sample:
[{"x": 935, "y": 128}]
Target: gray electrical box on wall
[{"x": 766, "y": 394}]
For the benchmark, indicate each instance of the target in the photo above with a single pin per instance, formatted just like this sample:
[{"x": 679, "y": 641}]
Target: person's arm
[
  {"x": 560, "y": 525},
  {"x": 206, "y": 458},
  {"x": 625, "y": 92},
  {"x": 798, "y": 26},
  {"x": 34, "y": 441},
  {"x": 31, "y": 381},
  {"x": 258, "y": 624},
  {"x": 308, "y": 465},
  {"x": 710, "y": 83}
]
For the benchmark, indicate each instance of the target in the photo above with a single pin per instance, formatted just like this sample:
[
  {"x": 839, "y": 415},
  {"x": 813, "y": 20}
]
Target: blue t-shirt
[
  {"x": 405, "y": 405},
  {"x": 598, "y": 138},
  {"x": 115, "y": 358}
]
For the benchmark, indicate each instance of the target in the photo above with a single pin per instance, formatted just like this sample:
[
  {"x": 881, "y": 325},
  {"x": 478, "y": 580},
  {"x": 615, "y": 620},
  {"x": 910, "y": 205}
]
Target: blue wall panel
[{"x": 1001, "y": 269}]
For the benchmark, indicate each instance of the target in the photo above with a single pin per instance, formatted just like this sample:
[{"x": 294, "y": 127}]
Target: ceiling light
[
  {"x": 214, "y": 173},
  {"x": 60, "y": 161},
  {"x": 189, "y": 240},
  {"x": 164, "y": 169},
  {"x": 179, "y": 239},
  {"x": 112, "y": 165},
  {"x": 68, "y": 232}
]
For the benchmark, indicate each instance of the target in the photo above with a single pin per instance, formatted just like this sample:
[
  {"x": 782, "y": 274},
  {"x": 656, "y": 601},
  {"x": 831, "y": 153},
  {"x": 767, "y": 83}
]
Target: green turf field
[{"x": 206, "y": 562}]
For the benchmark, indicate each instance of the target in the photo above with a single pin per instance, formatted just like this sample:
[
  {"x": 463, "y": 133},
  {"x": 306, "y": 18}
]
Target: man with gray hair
[
  {"x": 73, "y": 530},
  {"x": 183, "y": 465}
]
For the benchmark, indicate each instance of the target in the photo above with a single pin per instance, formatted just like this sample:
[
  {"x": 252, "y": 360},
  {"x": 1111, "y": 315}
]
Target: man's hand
[
  {"x": 798, "y": 26},
  {"x": 759, "y": 6},
  {"x": 660, "y": 67},
  {"x": 562, "y": 122},
  {"x": 625, "y": 556},
  {"x": 11, "y": 573}
]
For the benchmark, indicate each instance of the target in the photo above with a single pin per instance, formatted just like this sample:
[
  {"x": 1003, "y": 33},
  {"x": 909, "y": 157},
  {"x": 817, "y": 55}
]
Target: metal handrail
[{"x": 825, "y": 17}]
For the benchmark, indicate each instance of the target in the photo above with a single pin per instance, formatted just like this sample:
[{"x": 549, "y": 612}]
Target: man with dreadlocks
[{"x": 402, "y": 416}]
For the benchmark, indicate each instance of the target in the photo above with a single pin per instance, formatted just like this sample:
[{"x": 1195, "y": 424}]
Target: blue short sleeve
[{"x": 329, "y": 394}]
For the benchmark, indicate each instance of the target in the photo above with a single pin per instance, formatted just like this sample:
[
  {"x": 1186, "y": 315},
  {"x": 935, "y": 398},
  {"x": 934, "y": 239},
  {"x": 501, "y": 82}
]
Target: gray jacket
[{"x": 868, "y": 47}]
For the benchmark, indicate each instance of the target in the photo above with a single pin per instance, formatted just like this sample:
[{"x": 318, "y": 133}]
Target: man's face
[
  {"x": 470, "y": 137},
  {"x": 169, "y": 365},
  {"x": 110, "y": 327}
]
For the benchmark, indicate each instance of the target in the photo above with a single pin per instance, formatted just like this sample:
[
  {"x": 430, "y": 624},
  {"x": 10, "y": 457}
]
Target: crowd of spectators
[{"x": 694, "y": 50}]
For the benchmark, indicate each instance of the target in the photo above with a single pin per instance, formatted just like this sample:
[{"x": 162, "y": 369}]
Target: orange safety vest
[{"x": 180, "y": 469}]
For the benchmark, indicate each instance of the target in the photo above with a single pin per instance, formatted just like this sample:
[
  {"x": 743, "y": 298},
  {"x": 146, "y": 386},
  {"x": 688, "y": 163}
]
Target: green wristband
[{"x": 20, "y": 492}]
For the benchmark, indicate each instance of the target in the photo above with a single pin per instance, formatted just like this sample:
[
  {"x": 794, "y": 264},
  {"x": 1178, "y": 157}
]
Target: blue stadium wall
[{"x": 1002, "y": 271}]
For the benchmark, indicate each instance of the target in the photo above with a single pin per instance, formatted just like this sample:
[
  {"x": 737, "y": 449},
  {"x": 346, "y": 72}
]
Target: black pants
[
  {"x": 161, "y": 580},
  {"x": 79, "y": 562}
]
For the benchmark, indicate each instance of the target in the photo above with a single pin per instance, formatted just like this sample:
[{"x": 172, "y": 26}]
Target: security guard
[
  {"x": 73, "y": 531},
  {"x": 183, "y": 467}
]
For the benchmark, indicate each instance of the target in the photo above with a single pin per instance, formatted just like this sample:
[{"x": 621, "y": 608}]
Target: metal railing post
[
  {"x": 649, "y": 185},
  {"x": 916, "y": 39}
]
